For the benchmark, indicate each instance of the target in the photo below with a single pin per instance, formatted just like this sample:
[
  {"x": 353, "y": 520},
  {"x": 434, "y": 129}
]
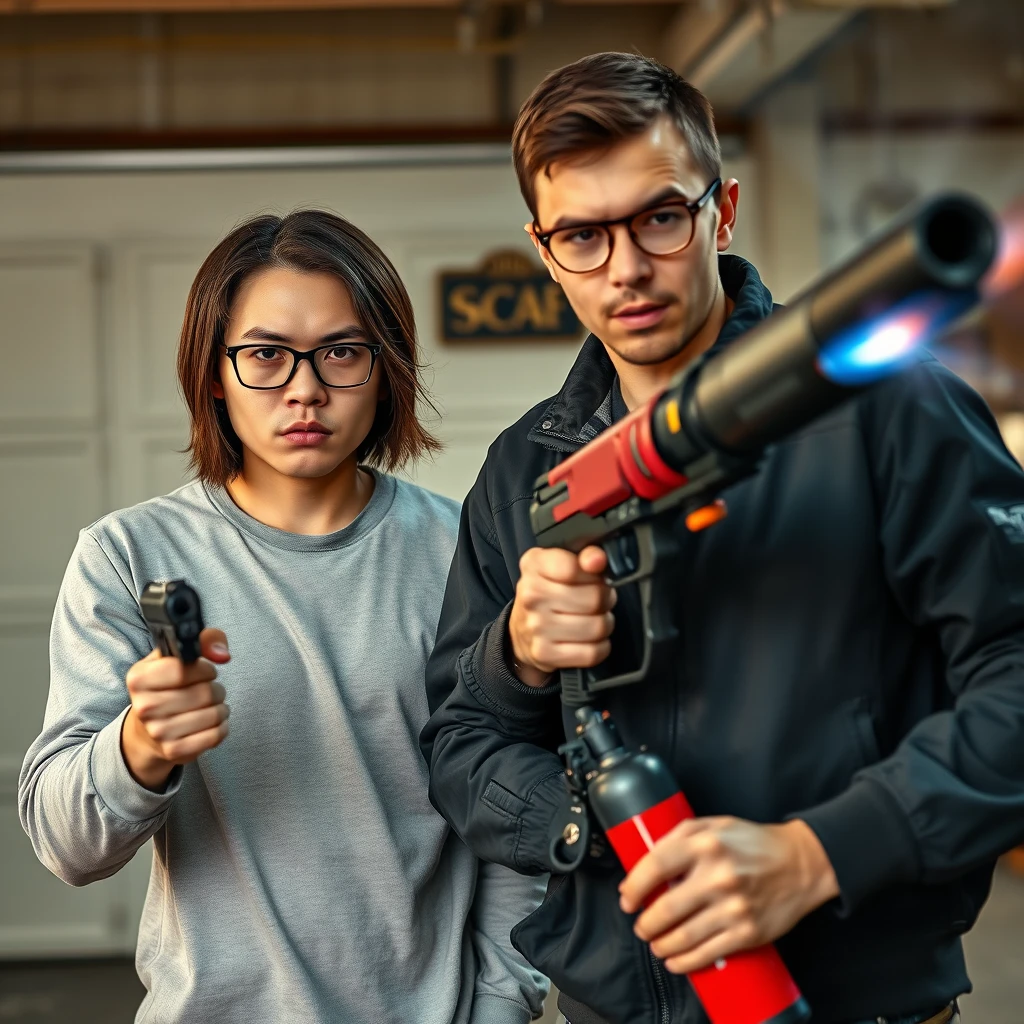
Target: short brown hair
[
  {"x": 308, "y": 241},
  {"x": 597, "y": 101}
]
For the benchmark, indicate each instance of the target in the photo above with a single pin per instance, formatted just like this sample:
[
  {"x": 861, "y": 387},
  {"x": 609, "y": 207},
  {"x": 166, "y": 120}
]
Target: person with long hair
[{"x": 299, "y": 870}]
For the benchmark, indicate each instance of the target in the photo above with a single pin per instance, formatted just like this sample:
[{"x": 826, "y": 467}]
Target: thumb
[
  {"x": 593, "y": 560},
  {"x": 214, "y": 645}
]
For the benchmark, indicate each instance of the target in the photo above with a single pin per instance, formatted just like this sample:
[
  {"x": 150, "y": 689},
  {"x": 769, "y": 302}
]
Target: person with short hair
[
  {"x": 845, "y": 704},
  {"x": 299, "y": 872}
]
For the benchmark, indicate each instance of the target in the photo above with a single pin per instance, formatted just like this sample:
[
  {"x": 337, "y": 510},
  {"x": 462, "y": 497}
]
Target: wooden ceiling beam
[{"x": 229, "y": 6}]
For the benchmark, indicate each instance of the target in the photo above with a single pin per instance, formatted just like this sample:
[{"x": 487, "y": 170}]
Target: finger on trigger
[
  {"x": 558, "y": 566},
  {"x": 593, "y": 560}
]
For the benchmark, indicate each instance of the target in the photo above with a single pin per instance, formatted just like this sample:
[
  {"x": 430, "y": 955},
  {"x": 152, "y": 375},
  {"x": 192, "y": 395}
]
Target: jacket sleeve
[
  {"x": 950, "y": 507},
  {"x": 84, "y": 813},
  {"x": 491, "y": 740}
]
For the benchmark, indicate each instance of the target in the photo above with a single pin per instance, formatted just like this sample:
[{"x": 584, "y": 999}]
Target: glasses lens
[
  {"x": 664, "y": 230},
  {"x": 580, "y": 249},
  {"x": 263, "y": 366},
  {"x": 343, "y": 366}
]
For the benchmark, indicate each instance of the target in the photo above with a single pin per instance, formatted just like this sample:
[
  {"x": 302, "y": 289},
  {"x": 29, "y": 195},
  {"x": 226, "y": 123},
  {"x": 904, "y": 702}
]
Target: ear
[
  {"x": 543, "y": 253},
  {"x": 384, "y": 390},
  {"x": 728, "y": 201},
  {"x": 217, "y": 389}
]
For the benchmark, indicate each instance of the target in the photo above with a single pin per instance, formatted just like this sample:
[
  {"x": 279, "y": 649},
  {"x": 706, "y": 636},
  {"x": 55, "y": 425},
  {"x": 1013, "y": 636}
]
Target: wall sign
[{"x": 510, "y": 298}]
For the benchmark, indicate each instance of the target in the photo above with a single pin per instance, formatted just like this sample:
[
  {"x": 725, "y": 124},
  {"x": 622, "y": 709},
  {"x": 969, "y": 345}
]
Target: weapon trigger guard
[{"x": 655, "y": 540}]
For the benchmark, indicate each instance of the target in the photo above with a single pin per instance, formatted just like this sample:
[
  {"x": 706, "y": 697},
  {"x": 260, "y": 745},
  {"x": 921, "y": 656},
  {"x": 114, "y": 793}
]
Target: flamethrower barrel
[{"x": 771, "y": 381}]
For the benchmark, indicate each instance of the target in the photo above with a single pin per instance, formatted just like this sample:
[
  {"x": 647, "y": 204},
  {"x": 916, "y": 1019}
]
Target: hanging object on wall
[{"x": 510, "y": 297}]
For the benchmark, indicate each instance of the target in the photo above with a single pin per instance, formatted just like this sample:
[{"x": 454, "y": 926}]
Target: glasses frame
[
  {"x": 231, "y": 351},
  {"x": 694, "y": 206}
]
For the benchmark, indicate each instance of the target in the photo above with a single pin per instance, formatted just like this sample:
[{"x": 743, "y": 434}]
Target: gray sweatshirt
[{"x": 299, "y": 871}]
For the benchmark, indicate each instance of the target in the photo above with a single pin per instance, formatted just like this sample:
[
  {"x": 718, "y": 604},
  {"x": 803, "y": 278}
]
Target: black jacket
[{"x": 851, "y": 653}]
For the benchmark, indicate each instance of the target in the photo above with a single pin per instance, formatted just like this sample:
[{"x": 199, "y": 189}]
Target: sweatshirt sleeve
[
  {"x": 508, "y": 989},
  {"x": 950, "y": 507},
  {"x": 84, "y": 813},
  {"x": 491, "y": 740}
]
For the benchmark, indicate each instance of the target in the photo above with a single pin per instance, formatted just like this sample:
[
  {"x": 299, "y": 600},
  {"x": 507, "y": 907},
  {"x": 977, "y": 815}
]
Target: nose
[
  {"x": 304, "y": 388},
  {"x": 628, "y": 264}
]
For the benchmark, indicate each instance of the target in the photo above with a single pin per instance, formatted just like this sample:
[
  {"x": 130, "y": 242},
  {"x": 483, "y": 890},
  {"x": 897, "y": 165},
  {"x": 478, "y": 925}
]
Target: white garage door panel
[
  {"x": 151, "y": 283},
  {"x": 148, "y": 464},
  {"x": 48, "y": 336},
  {"x": 52, "y": 488},
  {"x": 455, "y": 470},
  {"x": 42, "y": 916},
  {"x": 23, "y": 655}
]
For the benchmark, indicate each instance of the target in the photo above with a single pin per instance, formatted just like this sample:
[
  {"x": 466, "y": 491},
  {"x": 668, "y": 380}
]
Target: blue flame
[{"x": 879, "y": 347}]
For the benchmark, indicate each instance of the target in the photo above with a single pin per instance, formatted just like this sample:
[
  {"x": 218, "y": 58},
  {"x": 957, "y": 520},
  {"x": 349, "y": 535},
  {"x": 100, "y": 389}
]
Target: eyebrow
[
  {"x": 672, "y": 192},
  {"x": 345, "y": 334}
]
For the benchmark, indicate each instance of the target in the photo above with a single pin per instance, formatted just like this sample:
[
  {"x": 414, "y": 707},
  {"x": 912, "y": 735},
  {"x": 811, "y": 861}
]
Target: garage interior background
[{"x": 134, "y": 134}]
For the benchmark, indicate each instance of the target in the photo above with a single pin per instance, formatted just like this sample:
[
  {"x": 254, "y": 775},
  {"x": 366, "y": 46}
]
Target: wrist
[
  {"x": 520, "y": 667},
  {"x": 530, "y": 675},
  {"x": 144, "y": 764},
  {"x": 818, "y": 878}
]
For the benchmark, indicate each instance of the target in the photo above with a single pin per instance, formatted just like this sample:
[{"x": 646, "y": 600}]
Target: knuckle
[
  {"x": 709, "y": 845},
  {"x": 740, "y": 909},
  {"x": 157, "y": 729},
  {"x": 727, "y": 883},
  {"x": 173, "y": 750}
]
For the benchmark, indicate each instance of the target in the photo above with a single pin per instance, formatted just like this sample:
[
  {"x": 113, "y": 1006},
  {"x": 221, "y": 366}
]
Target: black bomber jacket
[{"x": 851, "y": 652}]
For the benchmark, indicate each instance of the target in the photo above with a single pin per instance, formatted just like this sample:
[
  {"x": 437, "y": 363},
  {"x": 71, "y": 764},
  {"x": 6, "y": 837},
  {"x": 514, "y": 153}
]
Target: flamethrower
[{"x": 673, "y": 456}]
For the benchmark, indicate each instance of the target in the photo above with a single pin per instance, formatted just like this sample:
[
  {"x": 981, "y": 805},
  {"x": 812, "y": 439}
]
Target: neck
[
  {"x": 640, "y": 383},
  {"x": 297, "y": 504}
]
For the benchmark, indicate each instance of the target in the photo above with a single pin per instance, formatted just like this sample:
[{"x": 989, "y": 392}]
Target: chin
[
  {"x": 641, "y": 350},
  {"x": 307, "y": 465}
]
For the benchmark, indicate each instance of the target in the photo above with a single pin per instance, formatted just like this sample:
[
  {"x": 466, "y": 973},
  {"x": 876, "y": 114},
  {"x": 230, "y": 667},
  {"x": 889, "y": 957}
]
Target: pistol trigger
[{"x": 623, "y": 556}]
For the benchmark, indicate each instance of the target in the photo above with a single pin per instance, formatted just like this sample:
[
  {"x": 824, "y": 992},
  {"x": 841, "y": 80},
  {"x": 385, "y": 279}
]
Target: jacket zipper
[{"x": 660, "y": 991}]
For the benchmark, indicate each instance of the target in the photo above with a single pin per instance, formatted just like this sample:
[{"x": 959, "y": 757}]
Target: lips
[
  {"x": 312, "y": 427},
  {"x": 640, "y": 315},
  {"x": 306, "y": 434}
]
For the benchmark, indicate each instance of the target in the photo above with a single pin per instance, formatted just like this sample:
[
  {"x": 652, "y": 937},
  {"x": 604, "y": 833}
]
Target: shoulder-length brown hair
[{"x": 310, "y": 241}]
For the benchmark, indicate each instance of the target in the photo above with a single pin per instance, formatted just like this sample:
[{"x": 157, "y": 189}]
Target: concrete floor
[{"x": 108, "y": 992}]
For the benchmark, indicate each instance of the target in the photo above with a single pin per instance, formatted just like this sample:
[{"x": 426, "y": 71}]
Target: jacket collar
[{"x": 583, "y": 408}]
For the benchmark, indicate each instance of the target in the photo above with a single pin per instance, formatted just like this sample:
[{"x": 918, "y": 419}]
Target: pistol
[{"x": 173, "y": 612}]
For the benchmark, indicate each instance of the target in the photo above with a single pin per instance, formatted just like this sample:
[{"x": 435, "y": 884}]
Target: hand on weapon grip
[
  {"x": 737, "y": 885},
  {"x": 561, "y": 616},
  {"x": 177, "y": 711}
]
